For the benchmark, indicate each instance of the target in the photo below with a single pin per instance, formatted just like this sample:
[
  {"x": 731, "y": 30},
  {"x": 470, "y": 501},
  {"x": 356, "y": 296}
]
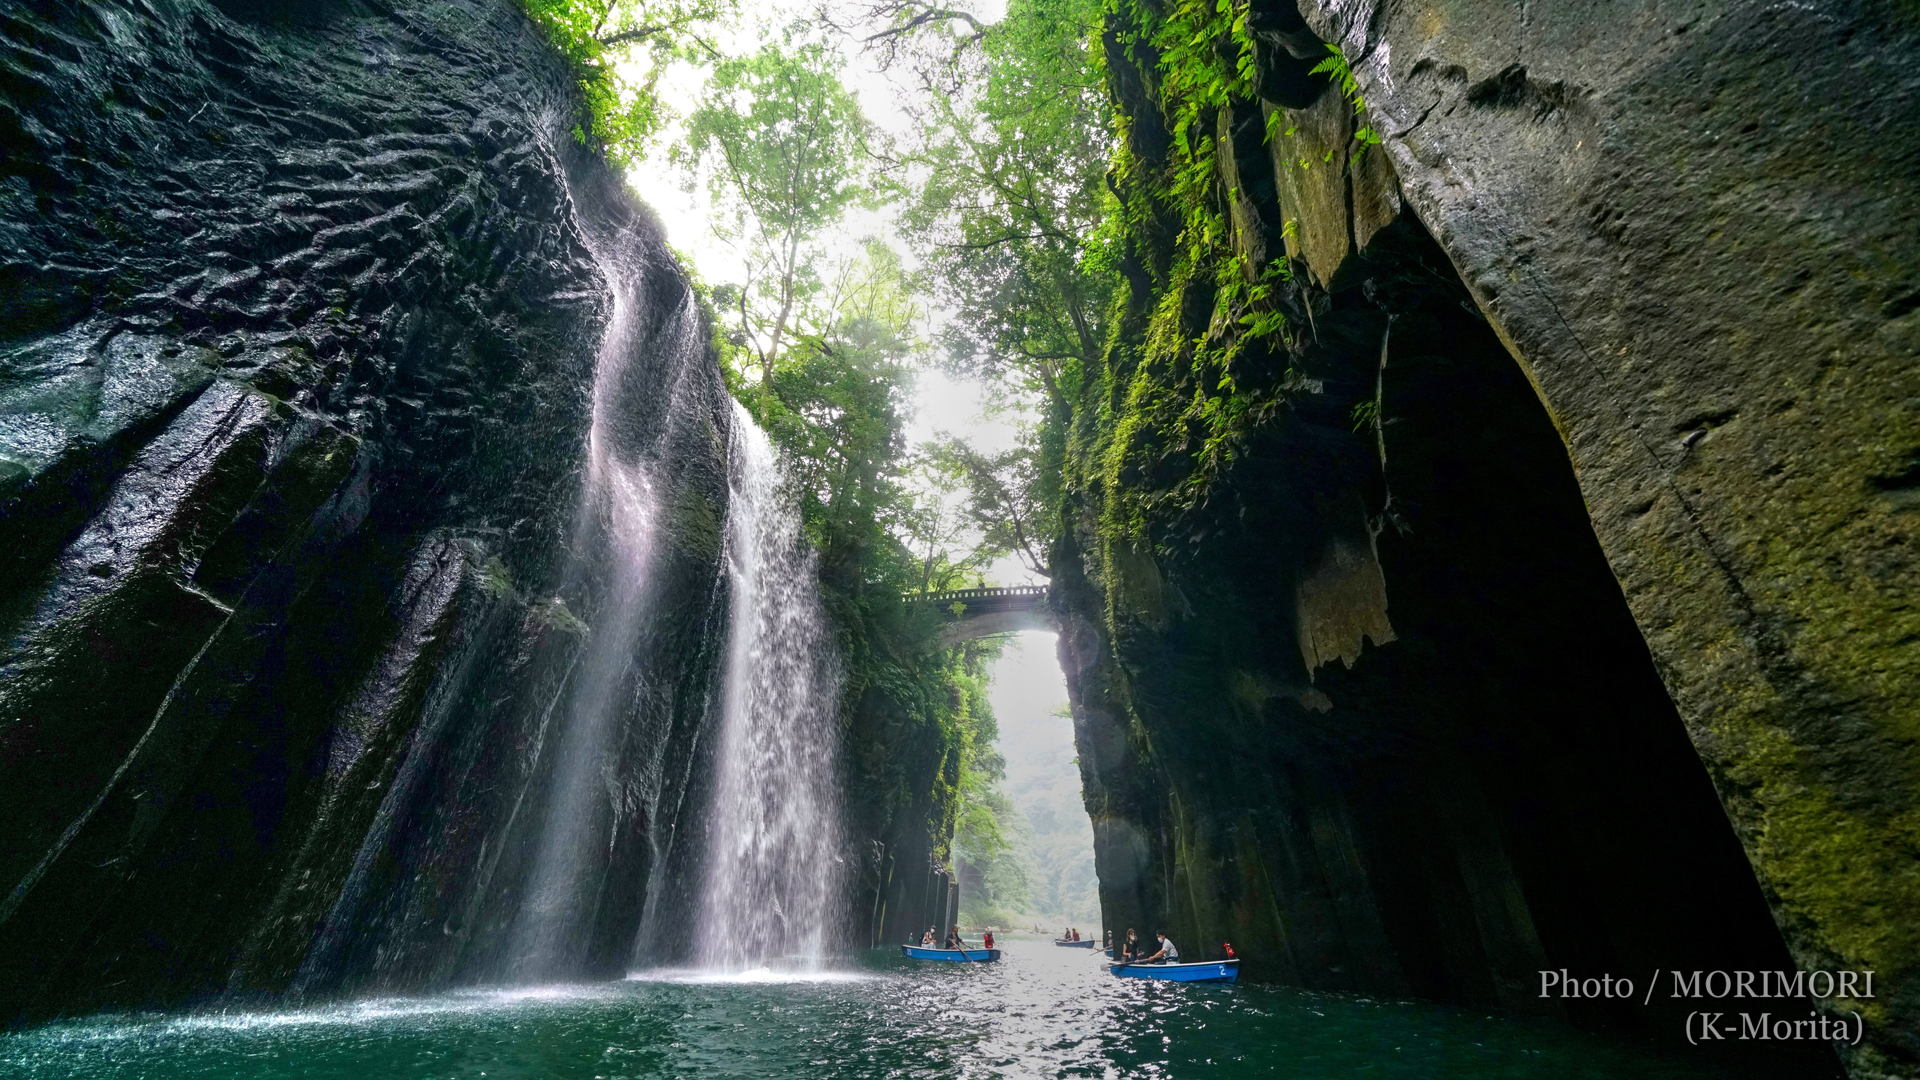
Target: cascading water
[
  {"x": 557, "y": 795},
  {"x": 773, "y": 840},
  {"x": 616, "y": 531}
]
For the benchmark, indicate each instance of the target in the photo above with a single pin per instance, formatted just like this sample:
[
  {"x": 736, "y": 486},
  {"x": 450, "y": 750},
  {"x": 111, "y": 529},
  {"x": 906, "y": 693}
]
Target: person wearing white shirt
[{"x": 1169, "y": 952}]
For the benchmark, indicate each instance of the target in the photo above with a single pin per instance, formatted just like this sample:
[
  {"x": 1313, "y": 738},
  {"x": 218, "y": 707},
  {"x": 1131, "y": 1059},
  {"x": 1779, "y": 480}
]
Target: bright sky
[{"x": 941, "y": 402}]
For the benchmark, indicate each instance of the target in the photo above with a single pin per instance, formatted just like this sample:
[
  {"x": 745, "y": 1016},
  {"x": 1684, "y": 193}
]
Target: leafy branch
[{"x": 1336, "y": 68}]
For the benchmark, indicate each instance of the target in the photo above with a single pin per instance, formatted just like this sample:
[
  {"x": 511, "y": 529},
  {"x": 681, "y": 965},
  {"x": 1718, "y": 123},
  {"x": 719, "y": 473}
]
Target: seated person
[{"x": 1168, "y": 953}]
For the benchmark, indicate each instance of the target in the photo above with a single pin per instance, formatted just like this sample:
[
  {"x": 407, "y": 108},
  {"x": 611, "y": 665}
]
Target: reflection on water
[{"x": 1043, "y": 1012}]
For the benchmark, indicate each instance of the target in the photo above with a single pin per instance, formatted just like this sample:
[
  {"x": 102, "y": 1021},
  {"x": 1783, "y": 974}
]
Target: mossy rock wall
[{"x": 1399, "y": 634}]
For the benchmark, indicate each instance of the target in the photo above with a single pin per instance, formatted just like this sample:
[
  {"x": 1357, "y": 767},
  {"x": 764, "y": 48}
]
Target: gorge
[{"x": 1479, "y": 531}]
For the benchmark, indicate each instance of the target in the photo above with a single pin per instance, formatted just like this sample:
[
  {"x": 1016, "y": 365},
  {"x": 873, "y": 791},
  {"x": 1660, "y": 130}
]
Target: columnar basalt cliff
[
  {"x": 318, "y": 325},
  {"x": 1447, "y": 500}
]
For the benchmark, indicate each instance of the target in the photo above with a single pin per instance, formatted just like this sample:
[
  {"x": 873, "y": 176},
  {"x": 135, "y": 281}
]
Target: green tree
[
  {"x": 1006, "y": 496},
  {"x": 619, "y": 48},
  {"x": 783, "y": 145},
  {"x": 1010, "y": 211},
  {"x": 940, "y": 524},
  {"x": 835, "y": 398},
  {"x": 930, "y": 37}
]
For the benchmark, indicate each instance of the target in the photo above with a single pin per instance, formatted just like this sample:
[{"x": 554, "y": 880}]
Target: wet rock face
[
  {"x": 1697, "y": 229},
  {"x": 302, "y": 309},
  {"x": 1419, "y": 699},
  {"x": 900, "y": 800}
]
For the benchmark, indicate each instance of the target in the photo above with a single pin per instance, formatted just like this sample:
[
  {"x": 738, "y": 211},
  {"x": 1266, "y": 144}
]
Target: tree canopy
[
  {"x": 783, "y": 146},
  {"x": 1012, "y": 198},
  {"x": 619, "y": 49}
]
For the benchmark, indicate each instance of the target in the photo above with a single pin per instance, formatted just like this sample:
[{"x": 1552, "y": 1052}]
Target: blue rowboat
[
  {"x": 1065, "y": 944},
  {"x": 959, "y": 956},
  {"x": 1207, "y": 971}
]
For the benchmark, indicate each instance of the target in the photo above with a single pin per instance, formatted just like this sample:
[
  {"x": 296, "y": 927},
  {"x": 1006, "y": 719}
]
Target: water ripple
[{"x": 1037, "y": 1014}]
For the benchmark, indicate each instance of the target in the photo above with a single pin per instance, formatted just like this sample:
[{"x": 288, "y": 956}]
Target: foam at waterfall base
[
  {"x": 775, "y": 973},
  {"x": 348, "y": 1013}
]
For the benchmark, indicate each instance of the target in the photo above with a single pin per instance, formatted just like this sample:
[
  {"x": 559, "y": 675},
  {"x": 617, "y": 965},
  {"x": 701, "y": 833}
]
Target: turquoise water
[{"x": 1042, "y": 1012}]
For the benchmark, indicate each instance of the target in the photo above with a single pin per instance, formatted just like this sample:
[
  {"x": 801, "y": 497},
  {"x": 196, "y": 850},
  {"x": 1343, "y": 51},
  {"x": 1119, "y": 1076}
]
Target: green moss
[
  {"x": 1181, "y": 400},
  {"x": 1850, "y": 877},
  {"x": 495, "y": 579},
  {"x": 554, "y": 612}
]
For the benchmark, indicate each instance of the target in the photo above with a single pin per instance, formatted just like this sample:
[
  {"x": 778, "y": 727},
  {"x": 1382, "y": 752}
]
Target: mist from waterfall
[{"x": 773, "y": 839}]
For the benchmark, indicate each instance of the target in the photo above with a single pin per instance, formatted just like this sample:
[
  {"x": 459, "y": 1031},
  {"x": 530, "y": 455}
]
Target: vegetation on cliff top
[{"x": 619, "y": 50}]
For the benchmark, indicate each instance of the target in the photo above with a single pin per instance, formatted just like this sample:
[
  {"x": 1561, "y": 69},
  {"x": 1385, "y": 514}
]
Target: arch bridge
[{"x": 978, "y": 613}]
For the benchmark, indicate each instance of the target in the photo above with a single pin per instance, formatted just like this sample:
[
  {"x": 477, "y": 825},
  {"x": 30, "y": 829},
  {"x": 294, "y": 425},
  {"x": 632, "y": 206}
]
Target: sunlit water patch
[
  {"x": 761, "y": 976},
  {"x": 1042, "y": 1012}
]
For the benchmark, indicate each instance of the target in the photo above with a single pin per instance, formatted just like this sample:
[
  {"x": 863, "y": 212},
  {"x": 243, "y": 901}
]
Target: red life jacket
[{"x": 1228, "y": 945}]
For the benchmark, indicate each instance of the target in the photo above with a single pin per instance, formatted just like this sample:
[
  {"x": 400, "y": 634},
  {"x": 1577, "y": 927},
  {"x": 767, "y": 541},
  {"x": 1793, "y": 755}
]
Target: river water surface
[{"x": 1042, "y": 1012}]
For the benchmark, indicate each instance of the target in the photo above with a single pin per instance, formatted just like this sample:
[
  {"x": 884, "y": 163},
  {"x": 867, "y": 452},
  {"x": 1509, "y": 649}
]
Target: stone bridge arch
[{"x": 978, "y": 613}]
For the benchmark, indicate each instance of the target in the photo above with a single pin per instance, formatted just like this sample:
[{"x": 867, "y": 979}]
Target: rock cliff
[
  {"x": 1474, "y": 465},
  {"x": 305, "y": 305}
]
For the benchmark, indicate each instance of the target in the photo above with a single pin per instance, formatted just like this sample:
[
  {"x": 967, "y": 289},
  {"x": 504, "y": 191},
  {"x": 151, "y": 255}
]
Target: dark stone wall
[
  {"x": 1696, "y": 227},
  {"x": 302, "y": 310},
  {"x": 1418, "y": 700},
  {"x": 903, "y": 773}
]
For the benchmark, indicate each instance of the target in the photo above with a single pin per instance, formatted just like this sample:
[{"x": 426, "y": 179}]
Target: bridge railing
[{"x": 961, "y": 596}]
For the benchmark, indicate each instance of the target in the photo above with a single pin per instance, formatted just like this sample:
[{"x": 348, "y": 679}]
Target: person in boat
[
  {"x": 987, "y": 941},
  {"x": 1168, "y": 953},
  {"x": 1107, "y": 941},
  {"x": 926, "y": 939},
  {"x": 1129, "y": 948}
]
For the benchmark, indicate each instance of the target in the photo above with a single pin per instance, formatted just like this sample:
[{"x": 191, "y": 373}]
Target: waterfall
[
  {"x": 773, "y": 840},
  {"x": 548, "y": 821},
  {"x": 615, "y": 536},
  {"x": 519, "y": 835}
]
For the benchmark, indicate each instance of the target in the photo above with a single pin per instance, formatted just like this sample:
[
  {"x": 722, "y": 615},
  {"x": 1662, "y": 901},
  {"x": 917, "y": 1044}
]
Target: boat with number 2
[
  {"x": 1205, "y": 971},
  {"x": 962, "y": 956}
]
